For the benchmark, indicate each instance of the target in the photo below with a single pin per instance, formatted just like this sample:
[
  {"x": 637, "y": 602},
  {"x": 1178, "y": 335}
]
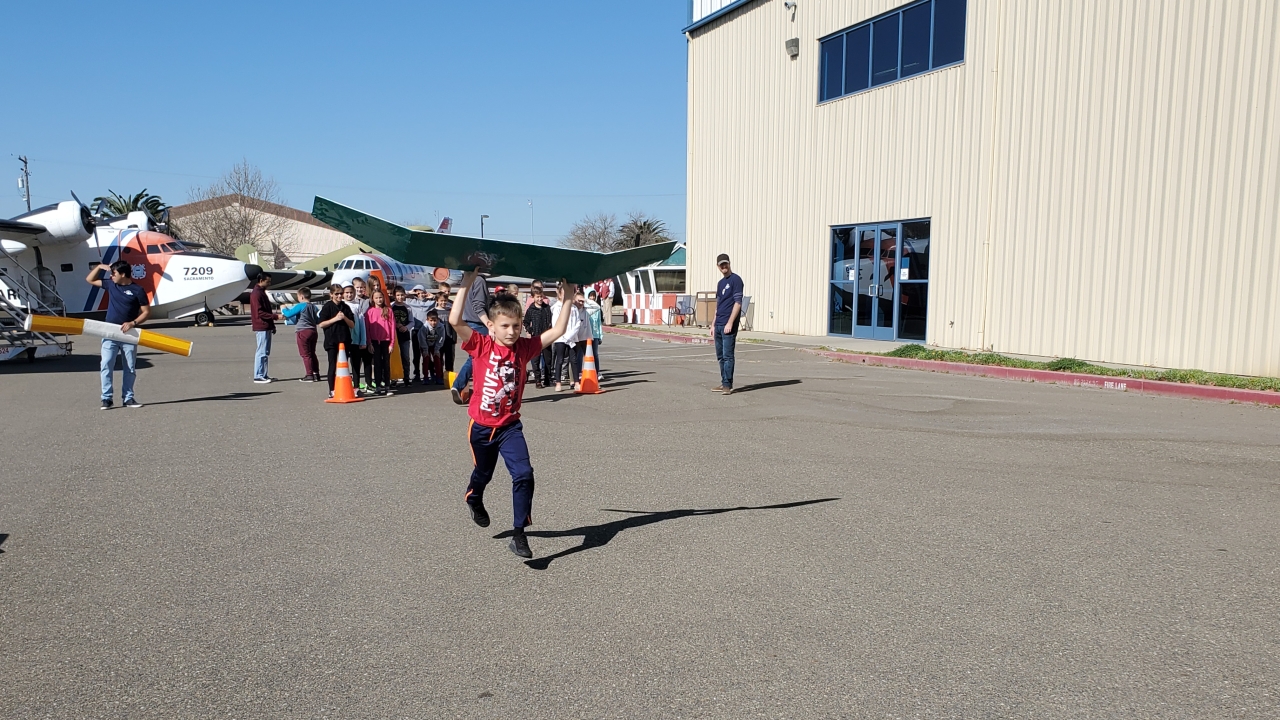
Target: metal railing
[{"x": 34, "y": 293}]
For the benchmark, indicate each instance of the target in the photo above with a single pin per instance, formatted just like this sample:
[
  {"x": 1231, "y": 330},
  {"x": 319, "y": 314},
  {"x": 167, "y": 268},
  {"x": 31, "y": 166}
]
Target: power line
[{"x": 455, "y": 193}]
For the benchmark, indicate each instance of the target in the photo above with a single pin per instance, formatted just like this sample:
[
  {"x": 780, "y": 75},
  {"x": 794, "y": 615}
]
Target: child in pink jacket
[{"x": 380, "y": 326}]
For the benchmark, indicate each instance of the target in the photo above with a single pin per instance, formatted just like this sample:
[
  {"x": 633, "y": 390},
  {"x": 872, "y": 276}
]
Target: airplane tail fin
[{"x": 446, "y": 226}]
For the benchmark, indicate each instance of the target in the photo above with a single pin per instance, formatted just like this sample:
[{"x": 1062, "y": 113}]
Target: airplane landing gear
[{"x": 205, "y": 317}]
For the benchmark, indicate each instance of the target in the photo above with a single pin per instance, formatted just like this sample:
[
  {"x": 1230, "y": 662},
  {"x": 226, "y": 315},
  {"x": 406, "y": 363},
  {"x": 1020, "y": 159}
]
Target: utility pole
[
  {"x": 531, "y": 221},
  {"x": 25, "y": 182}
]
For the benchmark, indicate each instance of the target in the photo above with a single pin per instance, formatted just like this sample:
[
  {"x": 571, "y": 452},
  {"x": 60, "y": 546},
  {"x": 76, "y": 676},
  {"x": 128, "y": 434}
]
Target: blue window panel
[
  {"x": 857, "y": 59},
  {"x": 948, "y": 32},
  {"x": 915, "y": 39},
  {"x": 884, "y": 50},
  {"x": 832, "y": 68}
]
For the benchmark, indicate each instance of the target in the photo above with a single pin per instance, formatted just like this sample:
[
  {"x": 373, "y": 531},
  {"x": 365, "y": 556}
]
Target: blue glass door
[{"x": 877, "y": 288}]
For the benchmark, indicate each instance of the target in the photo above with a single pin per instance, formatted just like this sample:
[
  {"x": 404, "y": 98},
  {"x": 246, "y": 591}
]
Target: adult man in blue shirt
[
  {"x": 725, "y": 328},
  {"x": 128, "y": 307}
]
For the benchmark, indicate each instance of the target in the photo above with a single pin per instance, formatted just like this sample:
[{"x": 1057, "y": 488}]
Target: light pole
[
  {"x": 530, "y": 221},
  {"x": 482, "y": 217}
]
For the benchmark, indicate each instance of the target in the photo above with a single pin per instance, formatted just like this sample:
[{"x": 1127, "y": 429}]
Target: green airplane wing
[{"x": 458, "y": 252}]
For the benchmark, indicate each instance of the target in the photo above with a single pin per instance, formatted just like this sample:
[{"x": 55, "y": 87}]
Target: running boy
[{"x": 499, "y": 359}]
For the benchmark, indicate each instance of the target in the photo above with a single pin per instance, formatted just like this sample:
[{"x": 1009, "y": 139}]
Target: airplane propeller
[{"x": 87, "y": 220}]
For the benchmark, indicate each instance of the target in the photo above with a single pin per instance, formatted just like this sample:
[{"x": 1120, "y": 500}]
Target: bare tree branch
[
  {"x": 597, "y": 233},
  {"x": 601, "y": 233},
  {"x": 237, "y": 215}
]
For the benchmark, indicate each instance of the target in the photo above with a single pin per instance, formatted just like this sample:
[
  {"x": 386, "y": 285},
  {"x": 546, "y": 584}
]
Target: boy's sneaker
[
  {"x": 718, "y": 388},
  {"x": 308, "y": 378},
  {"x": 106, "y": 404},
  {"x": 131, "y": 403},
  {"x": 461, "y": 397},
  {"x": 520, "y": 545},
  {"x": 728, "y": 391},
  {"x": 479, "y": 515},
  {"x": 262, "y": 381}
]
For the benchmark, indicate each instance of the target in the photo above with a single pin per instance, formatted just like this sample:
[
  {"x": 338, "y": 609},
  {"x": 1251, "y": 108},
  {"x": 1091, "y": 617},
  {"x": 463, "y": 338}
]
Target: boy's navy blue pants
[{"x": 487, "y": 444}]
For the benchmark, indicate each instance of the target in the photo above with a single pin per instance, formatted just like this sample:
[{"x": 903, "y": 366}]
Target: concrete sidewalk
[
  {"x": 866, "y": 352},
  {"x": 844, "y": 344}
]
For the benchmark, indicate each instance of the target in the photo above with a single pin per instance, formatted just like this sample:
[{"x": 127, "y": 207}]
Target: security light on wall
[{"x": 793, "y": 47}]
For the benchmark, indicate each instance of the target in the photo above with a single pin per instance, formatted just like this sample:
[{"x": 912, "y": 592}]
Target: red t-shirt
[{"x": 499, "y": 377}]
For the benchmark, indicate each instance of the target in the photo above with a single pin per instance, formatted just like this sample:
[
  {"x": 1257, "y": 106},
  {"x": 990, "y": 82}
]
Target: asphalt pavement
[{"x": 832, "y": 541}]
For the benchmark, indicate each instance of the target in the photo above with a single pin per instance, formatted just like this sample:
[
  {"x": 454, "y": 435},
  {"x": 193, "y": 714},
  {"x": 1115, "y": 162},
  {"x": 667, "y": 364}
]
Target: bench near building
[{"x": 1085, "y": 179}]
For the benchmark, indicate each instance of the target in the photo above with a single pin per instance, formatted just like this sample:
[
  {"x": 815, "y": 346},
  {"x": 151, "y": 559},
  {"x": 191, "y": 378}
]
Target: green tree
[
  {"x": 121, "y": 205},
  {"x": 640, "y": 229}
]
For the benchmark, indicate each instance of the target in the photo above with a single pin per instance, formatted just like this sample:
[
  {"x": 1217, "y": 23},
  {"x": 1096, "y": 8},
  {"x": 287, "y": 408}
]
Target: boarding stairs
[{"x": 37, "y": 297}]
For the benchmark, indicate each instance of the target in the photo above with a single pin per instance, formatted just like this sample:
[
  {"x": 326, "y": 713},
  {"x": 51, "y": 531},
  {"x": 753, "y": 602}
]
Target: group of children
[{"x": 369, "y": 320}]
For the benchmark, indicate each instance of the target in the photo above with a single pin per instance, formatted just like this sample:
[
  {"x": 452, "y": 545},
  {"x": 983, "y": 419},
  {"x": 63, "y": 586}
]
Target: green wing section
[{"x": 458, "y": 252}]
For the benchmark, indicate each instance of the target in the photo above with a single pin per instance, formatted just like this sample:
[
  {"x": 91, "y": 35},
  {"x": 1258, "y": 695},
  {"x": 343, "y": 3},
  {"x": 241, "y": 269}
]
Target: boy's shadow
[{"x": 594, "y": 536}]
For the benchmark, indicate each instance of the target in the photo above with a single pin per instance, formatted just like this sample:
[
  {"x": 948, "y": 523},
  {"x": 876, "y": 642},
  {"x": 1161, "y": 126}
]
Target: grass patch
[{"x": 1072, "y": 365}]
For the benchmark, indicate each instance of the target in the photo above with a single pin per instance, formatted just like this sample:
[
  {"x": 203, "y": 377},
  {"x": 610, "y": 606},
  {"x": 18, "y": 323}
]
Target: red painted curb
[{"x": 1101, "y": 382}]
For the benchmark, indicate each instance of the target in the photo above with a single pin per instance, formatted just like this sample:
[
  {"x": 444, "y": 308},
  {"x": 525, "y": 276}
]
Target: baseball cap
[
  {"x": 722, "y": 259},
  {"x": 416, "y": 288}
]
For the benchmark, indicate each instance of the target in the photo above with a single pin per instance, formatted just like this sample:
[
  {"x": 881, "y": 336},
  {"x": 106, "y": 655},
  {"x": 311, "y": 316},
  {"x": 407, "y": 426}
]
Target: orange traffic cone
[
  {"x": 343, "y": 391},
  {"x": 590, "y": 382}
]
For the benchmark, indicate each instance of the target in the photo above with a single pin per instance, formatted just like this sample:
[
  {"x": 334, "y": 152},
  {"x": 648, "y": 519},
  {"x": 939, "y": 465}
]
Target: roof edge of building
[{"x": 716, "y": 15}]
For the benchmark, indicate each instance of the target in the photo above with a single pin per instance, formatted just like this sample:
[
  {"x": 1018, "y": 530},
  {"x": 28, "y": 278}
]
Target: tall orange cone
[
  {"x": 590, "y": 383},
  {"x": 343, "y": 391}
]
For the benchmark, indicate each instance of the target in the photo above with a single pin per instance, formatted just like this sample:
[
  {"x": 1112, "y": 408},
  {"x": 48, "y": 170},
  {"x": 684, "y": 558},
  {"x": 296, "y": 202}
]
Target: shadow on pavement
[
  {"x": 568, "y": 394},
  {"x": 66, "y": 364},
  {"x": 3, "y": 537},
  {"x": 762, "y": 386},
  {"x": 625, "y": 373},
  {"x": 212, "y": 398},
  {"x": 594, "y": 536}
]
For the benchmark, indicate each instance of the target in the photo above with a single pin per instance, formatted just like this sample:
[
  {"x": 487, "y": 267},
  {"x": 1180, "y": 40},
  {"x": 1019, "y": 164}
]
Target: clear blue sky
[{"x": 401, "y": 109}]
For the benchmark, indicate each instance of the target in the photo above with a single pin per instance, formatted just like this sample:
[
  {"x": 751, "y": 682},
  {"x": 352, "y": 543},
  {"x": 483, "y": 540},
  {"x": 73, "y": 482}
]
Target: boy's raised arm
[
  {"x": 562, "y": 322},
  {"x": 455, "y": 315}
]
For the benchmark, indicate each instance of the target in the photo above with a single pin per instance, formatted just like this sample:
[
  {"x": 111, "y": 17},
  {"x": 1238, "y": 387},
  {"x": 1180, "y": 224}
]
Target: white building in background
[
  {"x": 305, "y": 237},
  {"x": 1095, "y": 179}
]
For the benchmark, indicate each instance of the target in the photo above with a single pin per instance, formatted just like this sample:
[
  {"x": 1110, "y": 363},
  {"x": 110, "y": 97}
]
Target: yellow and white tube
[{"x": 78, "y": 326}]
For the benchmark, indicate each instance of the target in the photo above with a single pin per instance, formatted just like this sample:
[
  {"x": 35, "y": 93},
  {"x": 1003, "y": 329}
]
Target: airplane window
[
  {"x": 364, "y": 264},
  {"x": 153, "y": 249},
  {"x": 127, "y": 249}
]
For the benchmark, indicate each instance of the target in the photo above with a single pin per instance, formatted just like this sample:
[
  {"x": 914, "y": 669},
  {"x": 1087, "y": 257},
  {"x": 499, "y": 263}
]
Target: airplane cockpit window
[{"x": 153, "y": 249}]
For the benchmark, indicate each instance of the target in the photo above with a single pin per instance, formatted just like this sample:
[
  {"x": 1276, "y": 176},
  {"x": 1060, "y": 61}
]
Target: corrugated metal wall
[
  {"x": 1102, "y": 176},
  {"x": 699, "y": 9}
]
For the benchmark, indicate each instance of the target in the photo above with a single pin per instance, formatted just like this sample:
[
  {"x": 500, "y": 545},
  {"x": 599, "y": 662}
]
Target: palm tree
[
  {"x": 641, "y": 229},
  {"x": 119, "y": 205}
]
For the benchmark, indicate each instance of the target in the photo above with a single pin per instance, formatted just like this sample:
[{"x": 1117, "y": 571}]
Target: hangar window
[{"x": 908, "y": 41}]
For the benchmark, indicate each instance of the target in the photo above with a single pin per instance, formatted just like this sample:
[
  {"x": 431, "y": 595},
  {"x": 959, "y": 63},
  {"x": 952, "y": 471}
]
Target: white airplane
[
  {"x": 47, "y": 253},
  {"x": 362, "y": 265}
]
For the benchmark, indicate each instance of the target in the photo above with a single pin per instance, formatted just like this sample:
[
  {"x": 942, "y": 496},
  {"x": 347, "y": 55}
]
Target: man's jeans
[
  {"x": 261, "y": 354},
  {"x": 724, "y": 355},
  {"x": 464, "y": 374},
  {"x": 110, "y": 349}
]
